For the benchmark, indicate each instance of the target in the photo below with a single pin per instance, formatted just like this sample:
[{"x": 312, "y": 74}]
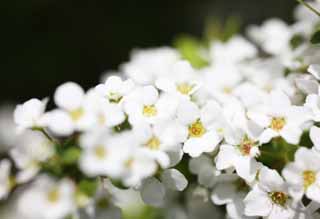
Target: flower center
[
  {"x": 100, "y": 152},
  {"x": 129, "y": 163},
  {"x": 114, "y": 97},
  {"x": 277, "y": 123},
  {"x": 76, "y": 114},
  {"x": 278, "y": 198},
  {"x": 53, "y": 195},
  {"x": 153, "y": 143},
  {"x": 227, "y": 90},
  {"x": 246, "y": 145},
  {"x": 184, "y": 88},
  {"x": 309, "y": 177},
  {"x": 196, "y": 129},
  {"x": 149, "y": 111}
]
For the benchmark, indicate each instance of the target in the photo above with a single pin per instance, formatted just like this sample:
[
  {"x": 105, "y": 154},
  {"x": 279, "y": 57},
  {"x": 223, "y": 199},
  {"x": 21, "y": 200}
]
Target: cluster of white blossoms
[{"x": 241, "y": 131}]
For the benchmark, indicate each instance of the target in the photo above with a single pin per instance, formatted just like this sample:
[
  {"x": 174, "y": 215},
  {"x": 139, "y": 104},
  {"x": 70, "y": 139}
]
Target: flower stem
[
  {"x": 307, "y": 5},
  {"x": 43, "y": 131}
]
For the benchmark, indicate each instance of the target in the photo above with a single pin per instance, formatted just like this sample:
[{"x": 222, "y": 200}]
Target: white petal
[
  {"x": 257, "y": 203},
  {"x": 313, "y": 192},
  {"x": 270, "y": 180},
  {"x": 152, "y": 192},
  {"x": 223, "y": 193},
  {"x": 267, "y": 135},
  {"x": 279, "y": 99},
  {"x": 291, "y": 134},
  {"x": 226, "y": 157},
  {"x": 315, "y": 70},
  {"x": 59, "y": 122},
  {"x": 174, "y": 180},
  {"x": 315, "y": 136},
  {"x": 280, "y": 212},
  {"x": 149, "y": 95},
  {"x": 187, "y": 112},
  {"x": 69, "y": 96}
]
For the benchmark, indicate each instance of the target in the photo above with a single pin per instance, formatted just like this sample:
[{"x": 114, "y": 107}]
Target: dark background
[{"x": 46, "y": 42}]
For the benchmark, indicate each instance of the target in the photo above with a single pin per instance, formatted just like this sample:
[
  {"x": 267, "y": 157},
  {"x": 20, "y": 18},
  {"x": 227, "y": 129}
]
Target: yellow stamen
[
  {"x": 246, "y": 145},
  {"x": 153, "y": 143},
  {"x": 196, "y": 129},
  {"x": 309, "y": 177},
  {"x": 184, "y": 88},
  {"x": 100, "y": 152},
  {"x": 277, "y": 123},
  {"x": 278, "y": 198},
  {"x": 149, "y": 111},
  {"x": 53, "y": 195},
  {"x": 76, "y": 114}
]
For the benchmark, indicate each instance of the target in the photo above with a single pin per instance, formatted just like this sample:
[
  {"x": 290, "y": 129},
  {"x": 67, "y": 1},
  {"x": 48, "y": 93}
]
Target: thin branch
[{"x": 307, "y": 5}]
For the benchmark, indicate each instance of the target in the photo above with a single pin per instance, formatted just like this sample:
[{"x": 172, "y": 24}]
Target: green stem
[
  {"x": 307, "y": 5},
  {"x": 46, "y": 135}
]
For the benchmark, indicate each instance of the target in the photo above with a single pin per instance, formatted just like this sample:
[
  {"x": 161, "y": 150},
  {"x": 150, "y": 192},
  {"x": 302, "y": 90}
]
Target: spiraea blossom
[{"x": 233, "y": 122}]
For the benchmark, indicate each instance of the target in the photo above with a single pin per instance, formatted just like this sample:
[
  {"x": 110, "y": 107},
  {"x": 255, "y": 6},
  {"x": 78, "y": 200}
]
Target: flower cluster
[{"x": 241, "y": 130}]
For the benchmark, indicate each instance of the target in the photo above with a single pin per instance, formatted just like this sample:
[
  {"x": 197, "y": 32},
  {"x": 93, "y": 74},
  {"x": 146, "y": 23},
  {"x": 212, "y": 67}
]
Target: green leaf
[
  {"x": 88, "y": 186},
  {"x": 296, "y": 41},
  {"x": 190, "y": 49},
  {"x": 315, "y": 38},
  {"x": 71, "y": 155},
  {"x": 222, "y": 31}
]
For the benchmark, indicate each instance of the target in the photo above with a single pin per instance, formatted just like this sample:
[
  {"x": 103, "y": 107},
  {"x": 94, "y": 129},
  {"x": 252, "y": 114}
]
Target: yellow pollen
[
  {"x": 227, "y": 90},
  {"x": 76, "y": 114},
  {"x": 278, "y": 198},
  {"x": 196, "y": 129},
  {"x": 149, "y": 111},
  {"x": 100, "y": 152},
  {"x": 309, "y": 177},
  {"x": 153, "y": 143},
  {"x": 184, "y": 88},
  {"x": 277, "y": 123},
  {"x": 53, "y": 195}
]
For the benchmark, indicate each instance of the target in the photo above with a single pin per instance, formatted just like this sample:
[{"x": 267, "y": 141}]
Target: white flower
[
  {"x": 233, "y": 51},
  {"x": 103, "y": 154},
  {"x": 114, "y": 89},
  {"x": 106, "y": 114},
  {"x": 138, "y": 166},
  {"x": 303, "y": 175},
  {"x": 239, "y": 152},
  {"x": 145, "y": 105},
  {"x": 73, "y": 115},
  {"x": 31, "y": 148},
  {"x": 29, "y": 114},
  {"x": 47, "y": 199},
  {"x": 202, "y": 135},
  {"x": 279, "y": 117},
  {"x": 274, "y": 36},
  {"x": 158, "y": 140},
  {"x": 5, "y": 178},
  {"x": 146, "y": 66},
  {"x": 269, "y": 198},
  {"x": 182, "y": 81}
]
